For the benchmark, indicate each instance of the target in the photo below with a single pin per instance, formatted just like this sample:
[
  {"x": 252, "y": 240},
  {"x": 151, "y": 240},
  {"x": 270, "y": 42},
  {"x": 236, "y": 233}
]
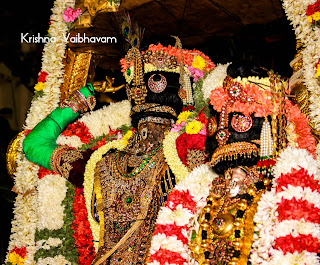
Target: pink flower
[
  {"x": 196, "y": 73},
  {"x": 71, "y": 15},
  {"x": 177, "y": 127}
]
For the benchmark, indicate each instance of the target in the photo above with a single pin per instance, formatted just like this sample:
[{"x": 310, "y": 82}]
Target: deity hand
[{"x": 106, "y": 86}]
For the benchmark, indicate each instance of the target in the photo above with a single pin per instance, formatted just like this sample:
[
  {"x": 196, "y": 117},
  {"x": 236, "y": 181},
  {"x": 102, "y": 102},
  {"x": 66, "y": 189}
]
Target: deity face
[
  {"x": 234, "y": 180},
  {"x": 152, "y": 134}
]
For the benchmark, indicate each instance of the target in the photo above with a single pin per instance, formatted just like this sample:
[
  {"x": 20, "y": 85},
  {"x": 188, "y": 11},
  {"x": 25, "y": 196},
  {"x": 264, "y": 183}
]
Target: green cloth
[{"x": 41, "y": 141}]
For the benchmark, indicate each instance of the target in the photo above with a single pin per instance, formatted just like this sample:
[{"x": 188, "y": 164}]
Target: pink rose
[{"x": 71, "y": 15}]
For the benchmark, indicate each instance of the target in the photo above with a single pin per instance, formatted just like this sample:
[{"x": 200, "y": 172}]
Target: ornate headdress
[
  {"x": 147, "y": 72},
  {"x": 241, "y": 103}
]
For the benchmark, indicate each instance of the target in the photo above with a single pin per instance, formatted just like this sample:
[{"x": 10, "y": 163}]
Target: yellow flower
[
  {"x": 15, "y": 259},
  {"x": 183, "y": 116},
  {"x": 315, "y": 17},
  {"x": 198, "y": 62},
  {"x": 318, "y": 71},
  {"x": 126, "y": 137},
  {"x": 193, "y": 127},
  {"x": 39, "y": 86}
]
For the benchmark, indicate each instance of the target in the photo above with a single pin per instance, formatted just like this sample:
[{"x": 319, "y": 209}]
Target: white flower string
[
  {"x": 26, "y": 210},
  {"x": 272, "y": 225},
  {"x": 175, "y": 215},
  {"x": 214, "y": 79},
  {"x": 309, "y": 36}
]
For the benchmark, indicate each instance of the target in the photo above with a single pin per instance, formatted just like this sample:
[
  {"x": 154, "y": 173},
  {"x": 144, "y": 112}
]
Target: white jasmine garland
[
  {"x": 214, "y": 79},
  {"x": 295, "y": 227},
  {"x": 49, "y": 243},
  {"x": 294, "y": 258},
  {"x": 52, "y": 63},
  {"x": 53, "y": 260},
  {"x": 301, "y": 193},
  {"x": 113, "y": 116},
  {"x": 25, "y": 219},
  {"x": 51, "y": 192},
  {"x": 295, "y": 158},
  {"x": 309, "y": 36},
  {"x": 71, "y": 141},
  {"x": 23, "y": 225},
  {"x": 100, "y": 122}
]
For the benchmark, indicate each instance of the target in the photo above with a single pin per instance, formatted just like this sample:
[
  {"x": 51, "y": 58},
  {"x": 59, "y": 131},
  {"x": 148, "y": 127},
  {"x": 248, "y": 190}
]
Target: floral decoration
[
  {"x": 288, "y": 217},
  {"x": 313, "y": 13},
  {"x": 82, "y": 233},
  {"x": 303, "y": 137},
  {"x": 70, "y": 15},
  {"x": 196, "y": 63},
  {"x": 317, "y": 66},
  {"x": 17, "y": 256},
  {"x": 177, "y": 218},
  {"x": 298, "y": 13}
]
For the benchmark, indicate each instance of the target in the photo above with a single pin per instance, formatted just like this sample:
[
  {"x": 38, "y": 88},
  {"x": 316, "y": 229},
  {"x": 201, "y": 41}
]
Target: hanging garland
[{"x": 288, "y": 218}]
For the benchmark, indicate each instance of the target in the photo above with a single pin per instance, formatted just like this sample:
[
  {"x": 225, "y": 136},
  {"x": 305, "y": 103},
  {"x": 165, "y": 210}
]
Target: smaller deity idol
[{"x": 251, "y": 116}]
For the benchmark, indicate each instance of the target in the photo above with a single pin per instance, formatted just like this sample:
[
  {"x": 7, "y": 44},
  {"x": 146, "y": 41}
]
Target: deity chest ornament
[{"x": 129, "y": 206}]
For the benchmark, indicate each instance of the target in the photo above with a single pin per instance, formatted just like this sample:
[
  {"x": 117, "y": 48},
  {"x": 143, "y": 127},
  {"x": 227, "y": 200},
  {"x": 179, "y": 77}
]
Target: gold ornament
[{"x": 12, "y": 154}]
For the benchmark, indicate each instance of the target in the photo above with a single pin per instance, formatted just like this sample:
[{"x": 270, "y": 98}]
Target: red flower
[
  {"x": 22, "y": 252},
  {"x": 298, "y": 209},
  {"x": 313, "y": 8},
  {"x": 43, "y": 172},
  {"x": 187, "y": 108},
  {"x": 166, "y": 256},
  {"x": 81, "y": 230},
  {"x": 79, "y": 129},
  {"x": 102, "y": 142},
  {"x": 42, "y": 77},
  {"x": 297, "y": 177},
  {"x": 189, "y": 141},
  {"x": 172, "y": 230},
  {"x": 177, "y": 197},
  {"x": 202, "y": 118},
  {"x": 300, "y": 243}
]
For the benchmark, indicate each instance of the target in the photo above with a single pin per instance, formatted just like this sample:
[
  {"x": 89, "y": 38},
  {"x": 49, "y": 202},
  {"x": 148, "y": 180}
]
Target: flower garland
[
  {"x": 50, "y": 77},
  {"x": 93, "y": 125},
  {"x": 214, "y": 79},
  {"x": 288, "y": 218},
  {"x": 261, "y": 103},
  {"x": 176, "y": 219},
  {"x": 300, "y": 13},
  {"x": 196, "y": 63},
  {"x": 81, "y": 227},
  {"x": 313, "y": 13},
  {"x": 301, "y": 132},
  {"x": 171, "y": 155}
]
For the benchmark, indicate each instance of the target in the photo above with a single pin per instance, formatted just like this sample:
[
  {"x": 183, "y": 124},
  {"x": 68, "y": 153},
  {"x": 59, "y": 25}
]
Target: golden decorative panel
[{"x": 79, "y": 70}]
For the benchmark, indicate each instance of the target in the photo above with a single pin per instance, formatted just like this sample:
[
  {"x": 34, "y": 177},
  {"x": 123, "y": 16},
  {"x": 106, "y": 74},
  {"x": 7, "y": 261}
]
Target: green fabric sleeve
[{"x": 41, "y": 141}]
